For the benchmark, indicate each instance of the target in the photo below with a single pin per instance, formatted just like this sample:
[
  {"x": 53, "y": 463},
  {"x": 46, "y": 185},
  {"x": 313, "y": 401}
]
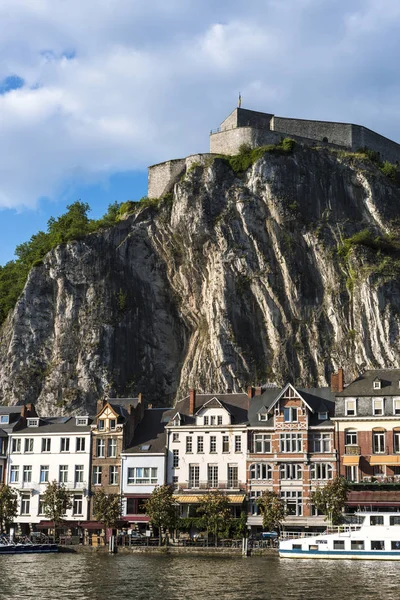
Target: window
[
  {"x": 80, "y": 444},
  {"x": 113, "y": 475},
  {"x": 377, "y": 384},
  {"x": 63, "y": 474},
  {"x": 290, "y": 414},
  {"x": 206, "y": 421},
  {"x": 101, "y": 424},
  {"x": 293, "y": 501},
  {"x": 290, "y": 471},
  {"x": 379, "y": 470},
  {"x": 350, "y": 408},
  {"x": 64, "y": 446},
  {"x": 395, "y": 545},
  {"x": 44, "y": 474},
  {"x": 213, "y": 444},
  {"x": 351, "y": 438},
  {"x": 225, "y": 443},
  {"x": 189, "y": 444},
  {"x": 376, "y": 520},
  {"x": 291, "y": 442},
  {"x": 25, "y": 504},
  {"x": 175, "y": 481},
  {"x": 233, "y": 476},
  {"x": 100, "y": 448},
  {"x": 4, "y": 419},
  {"x": 378, "y": 442},
  {"x": 238, "y": 443},
  {"x": 112, "y": 424},
  {"x": 394, "y": 520},
  {"x": 378, "y": 406},
  {"x": 357, "y": 545},
  {"x": 212, "y": 476},
  {"x": 321, "y": 471},
  {"x": 262, "y": 417},
  {"x": 79, "y": 470},
  {"x": 16, "y": 445},
  {"x": 377, "y": 545},
  {"x": 396, "y": 406},
  {"x": 338, "y": 544},
  {"x": 254, "y": 508},
  {"x": 142, "y": 475},
  {"x": 41, "y": 506},
  {"x": 320, "y": 442},
  {"x": 175, "y": 437},
  {"x": 212, "y": 420},
  {"x": 82, "y": 421},
  {"x": 112, "y": 448},
  {"x": 219, "y": 419},
  {"x": 32, "y": 422},
  {"x": 262, "y": 443},
  {"x": 261, "y": 471},
  {"x": 396, "y": 441},
  {"x": 194, "y": 476},
  {"x": 97, "y": 472},
  {"x": 28, "y": 445},
  {"x": 352, "y": 473},
  {"x": 27, "y": 473},
  {"x": 323, "y": 416},
  {"x": 14, "y": 474},
  {"x": 175, "y": 461},
  {"x": 46, "y": 444},
  {"x": 77, "y": 506}
]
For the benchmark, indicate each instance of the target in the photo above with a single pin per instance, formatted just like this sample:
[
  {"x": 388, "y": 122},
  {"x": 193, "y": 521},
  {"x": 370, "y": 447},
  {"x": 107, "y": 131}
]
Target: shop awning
[
  {"x": 196, "y": 499},
  {"x": 351, "y": 459},
  {"x": 385, "y": 459}
]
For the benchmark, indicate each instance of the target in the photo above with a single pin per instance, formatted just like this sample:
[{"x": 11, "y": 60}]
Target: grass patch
[{"x": 247, "y": 156}]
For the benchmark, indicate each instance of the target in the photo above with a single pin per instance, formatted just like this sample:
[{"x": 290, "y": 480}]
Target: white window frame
[
  {"x": 225, "y": 444},
  {"x": 28, "y": 445},
  {"x": 46, "y": 444},
  {"x": 262, "y": 443},
  {"x": 16, "y": 445},
  {"x": 194, "y": 476},
  {"x": 112, "y": 448},
  {"x": 213, "y": 444},
  {"x": 206, "y": 420},
  {"x": 64, "y": 444},
  {"x": 44, "y": 474},
  {"x": 63, "y": 474},
  {"x": 321, "y": 471},
  {"x": 175, "y": 459},
  {"x": 27, "y": 474},
  {"x": 261, "y": 472},
  {"x": 212, "y": 476},
  {"x": 200, "y": 444},
  {"x": 80, "y": 444},
  {"x": 97, "y": 475},
  {"x": 350, "y": 412},
  {"x": 320, "y": 443},
  {"x": 189, "y": 444},
  {"x": 79, "y": 473},
  {"x": 77, "y": 505},
  {"x": 32, "y": 422},
  {"x": 14, "y": 474},
  {"x": 351, "y": 473},
  {"x": 113, "y": 475},
  {"x": 100, "y": 448},
  {"x": 377, "y": 385},
  {"x": 291, "y": 443},
  {"x": 290, "y": 471},
  {"x": 379, "y": 442},
  {"x": 4, "y": 419},
  {"x": 378, "y": 407},
  {"x": 292, "y": 412},
  {"x": 25, "y": 504},
  {"x": 350, "y": 432},
  {"x": 396, "y": 406},
  {"x": 238, "y": 443}
]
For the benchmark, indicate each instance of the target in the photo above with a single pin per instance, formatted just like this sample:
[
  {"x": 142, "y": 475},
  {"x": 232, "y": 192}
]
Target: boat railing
[
  {"x": 347, "y": 528},
  {"x": 289, "y": 535}
]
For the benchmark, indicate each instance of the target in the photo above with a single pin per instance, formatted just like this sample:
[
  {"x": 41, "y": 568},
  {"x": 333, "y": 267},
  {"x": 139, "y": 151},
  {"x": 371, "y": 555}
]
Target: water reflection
[{"x": 87, "y": 576}]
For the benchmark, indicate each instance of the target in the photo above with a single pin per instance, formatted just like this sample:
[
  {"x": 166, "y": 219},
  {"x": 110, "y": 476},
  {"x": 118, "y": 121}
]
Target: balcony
[
  {"x": 352, "y": 450},
  {"x": 233, "y": 484}
]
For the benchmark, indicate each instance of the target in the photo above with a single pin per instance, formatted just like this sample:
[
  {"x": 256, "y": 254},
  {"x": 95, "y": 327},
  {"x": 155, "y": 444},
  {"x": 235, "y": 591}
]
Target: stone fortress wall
[{"x": 254, "y": 128}]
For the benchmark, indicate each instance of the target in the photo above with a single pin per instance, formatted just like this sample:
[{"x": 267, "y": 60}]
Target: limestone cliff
[{"x": 236, "y": 280}]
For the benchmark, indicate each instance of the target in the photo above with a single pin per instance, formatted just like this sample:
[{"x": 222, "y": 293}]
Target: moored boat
[{"x": 376, "y": 536}]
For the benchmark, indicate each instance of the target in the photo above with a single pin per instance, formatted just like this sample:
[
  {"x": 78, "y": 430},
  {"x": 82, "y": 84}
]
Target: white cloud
[{"x": 119, "y": 84}]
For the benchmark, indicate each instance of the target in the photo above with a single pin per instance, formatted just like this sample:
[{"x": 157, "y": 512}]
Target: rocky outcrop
[{"x": 238, "y": 280}]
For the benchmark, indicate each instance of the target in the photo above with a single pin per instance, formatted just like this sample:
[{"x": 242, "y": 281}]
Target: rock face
[{"x": 236, "y": 281}]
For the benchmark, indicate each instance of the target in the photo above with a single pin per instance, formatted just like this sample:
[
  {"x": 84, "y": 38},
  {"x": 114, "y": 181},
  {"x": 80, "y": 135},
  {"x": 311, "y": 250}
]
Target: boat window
[
  {"x": 376, "y": 520},
  {"x": 377, "y": 545},
  {"x": 357, "y": 545},
  {"x": 313, "y": 547},
  {"x": 395, "y": 520},
  {"x": 395, "y": 545},
  {"x": 338, "y": 544},
  {"x": 296, "y": 546}
]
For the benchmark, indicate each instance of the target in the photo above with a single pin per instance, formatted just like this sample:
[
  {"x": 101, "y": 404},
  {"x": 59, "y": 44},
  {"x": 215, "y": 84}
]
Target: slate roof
[
  {"x": 235, "y": 404},
  {"x": 121, "y": 407},
  {"x": 363, "y": 385},
  {"x": 3, "y": 433},
  {"x": 319, "y": 399},
  {"x": 150, "y": 432},
  {"x": 57, "y": 425}
]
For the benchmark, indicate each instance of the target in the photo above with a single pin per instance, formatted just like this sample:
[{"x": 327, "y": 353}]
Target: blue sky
[{"x": 93, "y": 92}]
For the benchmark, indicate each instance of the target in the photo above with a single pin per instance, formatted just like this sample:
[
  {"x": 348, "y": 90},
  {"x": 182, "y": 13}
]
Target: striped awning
[
  {"x": 196, "y": 499},
  {"x": 351, "y": 459},
  {"x": 382, "y": 459}
]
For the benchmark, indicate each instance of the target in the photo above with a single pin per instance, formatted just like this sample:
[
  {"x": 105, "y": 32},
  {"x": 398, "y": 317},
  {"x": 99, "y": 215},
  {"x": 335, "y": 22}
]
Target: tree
[
  {"x": 215, "y": 512},
  {"x": 331, "y": 498},
  {"x": 273, "y": 510},
  {"x": 107, "y": 508},
  {"x": 56, "y": 500},
  {"x": 161, "y": 508},
  {"x": 8, "y": 507}
]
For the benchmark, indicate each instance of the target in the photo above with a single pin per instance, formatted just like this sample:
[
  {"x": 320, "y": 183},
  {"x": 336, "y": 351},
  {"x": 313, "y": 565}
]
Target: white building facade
[{"x": 44, "y": 450}]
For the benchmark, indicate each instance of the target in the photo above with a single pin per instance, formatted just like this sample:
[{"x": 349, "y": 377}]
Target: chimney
[
  {"x": 100, "y": 404},
  {"x": 337, "y": 383},
  {"x": 28, "y": 410},
  {"x": 150, "y": 406},
  {"x": 258, "y": 391},
  {"x": 192, "y": 401},
  {"x": 140, "y": 397},
  {"x": 250, "y": 391}
]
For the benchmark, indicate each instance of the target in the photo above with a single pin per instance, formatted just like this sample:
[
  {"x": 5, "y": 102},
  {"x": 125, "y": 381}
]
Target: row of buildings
[{"x": 286, "y": 439}]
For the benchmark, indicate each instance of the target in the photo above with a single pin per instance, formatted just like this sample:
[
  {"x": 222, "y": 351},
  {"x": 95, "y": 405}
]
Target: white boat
[{"x": 376, "y": 537}]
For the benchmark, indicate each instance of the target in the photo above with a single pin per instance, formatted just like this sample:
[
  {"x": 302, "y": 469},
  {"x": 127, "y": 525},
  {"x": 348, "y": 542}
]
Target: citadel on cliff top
[{"x": 254, "y": 128}]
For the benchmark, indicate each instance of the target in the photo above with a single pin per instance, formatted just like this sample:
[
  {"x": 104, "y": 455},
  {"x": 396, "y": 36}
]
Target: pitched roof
[
  {"x": 57, "y": 425},
  {"x": 235, "y": 404},
  {"x": 363, "y": 385},
  {"x": 149, "y": 436}
]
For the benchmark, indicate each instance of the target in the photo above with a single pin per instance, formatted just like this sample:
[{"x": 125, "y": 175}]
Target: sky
[{"x": 94, "y": 91}]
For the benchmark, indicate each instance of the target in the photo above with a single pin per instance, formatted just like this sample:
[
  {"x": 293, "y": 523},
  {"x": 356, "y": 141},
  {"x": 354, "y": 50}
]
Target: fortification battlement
[{"x": 254, "y": 128}]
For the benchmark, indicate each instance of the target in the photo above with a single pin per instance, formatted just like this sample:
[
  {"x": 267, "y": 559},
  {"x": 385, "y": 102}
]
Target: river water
[{"x": 152, "y": 577}]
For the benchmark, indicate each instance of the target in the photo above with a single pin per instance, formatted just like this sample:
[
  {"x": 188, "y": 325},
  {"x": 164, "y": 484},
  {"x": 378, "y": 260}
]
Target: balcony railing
[
  {"x": 232, "y": 484},
  {"x": 352, "y": 449}
]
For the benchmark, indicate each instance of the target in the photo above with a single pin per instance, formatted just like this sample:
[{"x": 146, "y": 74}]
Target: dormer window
[
  {"x": 101, "y": 425},
  {"x": 4, "y": 419},
  {"x": 113, "y": 424},
  {"x": 396, "y": 406},
  {"x": 32, "y": 422},
  {"x": 290, "y": 414},
  {"x": 378, "y": 406},
  {"x": 262, "y": 417},
  {"x": 82, "y": 421},
  {"x": 377, "y": 384},
  {"x": 206, "y": 421},
  {"x": 212, "y": 420},
  {"x": 323, "y": 416}
]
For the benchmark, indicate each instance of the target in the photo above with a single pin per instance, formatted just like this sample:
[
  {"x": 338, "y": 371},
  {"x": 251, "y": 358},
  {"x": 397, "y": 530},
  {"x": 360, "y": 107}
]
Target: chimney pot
[
  {"x": 192, "y": 401},
  {"x": 258, "y": 391}
]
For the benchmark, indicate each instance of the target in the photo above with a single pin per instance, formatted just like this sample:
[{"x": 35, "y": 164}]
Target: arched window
[
  {"x": 321, "y": 471},
  {"x": 261, "y": 471},
  {"x": 290, "y": 471}
]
